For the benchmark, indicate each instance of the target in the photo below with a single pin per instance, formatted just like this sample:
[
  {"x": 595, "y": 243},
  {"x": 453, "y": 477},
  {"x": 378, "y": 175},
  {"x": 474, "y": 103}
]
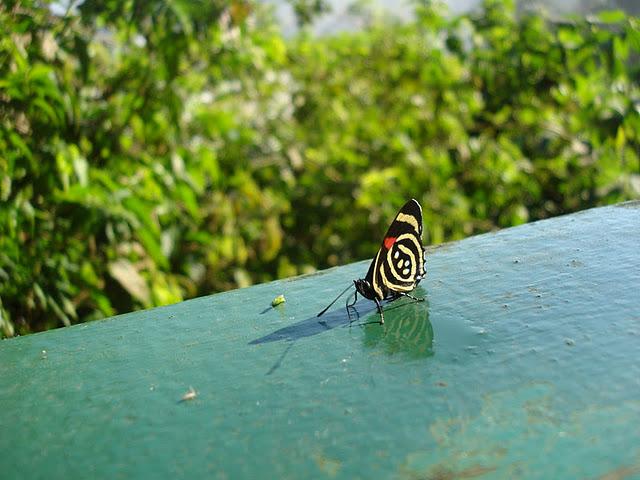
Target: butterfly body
[{"x": 398, "y": 266}]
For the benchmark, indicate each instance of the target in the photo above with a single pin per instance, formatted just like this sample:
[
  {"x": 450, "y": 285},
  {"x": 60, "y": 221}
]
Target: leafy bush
[{"x": 154, "y": 153}]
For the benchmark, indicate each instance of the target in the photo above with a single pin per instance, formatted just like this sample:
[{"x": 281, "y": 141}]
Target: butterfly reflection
[{"x": 407, "y": 331}]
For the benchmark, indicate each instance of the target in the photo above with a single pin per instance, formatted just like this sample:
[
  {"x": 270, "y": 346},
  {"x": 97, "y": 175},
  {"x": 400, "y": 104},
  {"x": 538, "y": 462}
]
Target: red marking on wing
[{"x": 389, "y": 241}]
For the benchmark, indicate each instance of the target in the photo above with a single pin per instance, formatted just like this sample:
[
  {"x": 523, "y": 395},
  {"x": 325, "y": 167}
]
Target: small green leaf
[{"x": 278, "y": 300}]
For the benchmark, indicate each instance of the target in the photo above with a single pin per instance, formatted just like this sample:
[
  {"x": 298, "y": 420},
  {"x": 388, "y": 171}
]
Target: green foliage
[
  {"x": 308, "y": 10},
  {"x": 155, "y": 151}
]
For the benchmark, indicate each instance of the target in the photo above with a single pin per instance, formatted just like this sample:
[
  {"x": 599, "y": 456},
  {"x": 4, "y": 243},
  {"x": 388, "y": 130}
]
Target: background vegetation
[{"x": 155, "y": 151}]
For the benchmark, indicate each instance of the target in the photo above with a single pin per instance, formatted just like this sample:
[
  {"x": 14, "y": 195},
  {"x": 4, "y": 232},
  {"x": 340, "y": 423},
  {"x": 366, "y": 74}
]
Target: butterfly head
[{"x": 364, "y": 288}]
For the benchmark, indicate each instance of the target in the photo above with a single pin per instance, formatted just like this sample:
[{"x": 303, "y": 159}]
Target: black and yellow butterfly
[{"x": 398, "y": 266}]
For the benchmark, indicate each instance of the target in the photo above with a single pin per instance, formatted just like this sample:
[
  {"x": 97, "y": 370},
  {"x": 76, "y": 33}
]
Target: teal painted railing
[{"x": 524, "y": 362}]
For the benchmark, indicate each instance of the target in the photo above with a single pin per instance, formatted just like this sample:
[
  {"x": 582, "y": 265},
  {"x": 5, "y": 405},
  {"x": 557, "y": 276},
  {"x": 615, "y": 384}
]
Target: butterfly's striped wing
[{"x": 399, "y": 264}]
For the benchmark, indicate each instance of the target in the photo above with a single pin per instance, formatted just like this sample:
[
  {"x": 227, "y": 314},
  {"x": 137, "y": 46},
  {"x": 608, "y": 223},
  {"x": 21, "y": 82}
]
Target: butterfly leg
[
  {"x": 379, "y": 310},
  {"x": 355, "y": 299},
  {"x": 351, "y": 305},
  {"x": 356, "y": 314},
  {"x": 411, "y": 297}
]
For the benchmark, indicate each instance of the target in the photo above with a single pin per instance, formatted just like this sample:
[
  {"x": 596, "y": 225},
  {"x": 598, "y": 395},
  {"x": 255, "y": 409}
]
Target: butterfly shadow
[
  {"x": 314, "y": 325},
  {"x": 406, "y": 319}
]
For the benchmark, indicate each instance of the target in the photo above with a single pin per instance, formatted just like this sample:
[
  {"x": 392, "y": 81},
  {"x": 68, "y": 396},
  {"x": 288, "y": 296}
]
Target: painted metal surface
[{"x": 524, "y": 362}]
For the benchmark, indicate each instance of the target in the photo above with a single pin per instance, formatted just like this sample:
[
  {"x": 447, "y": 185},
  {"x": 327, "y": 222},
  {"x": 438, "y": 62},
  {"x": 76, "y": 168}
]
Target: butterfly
[{"x": 398, "y": 266}]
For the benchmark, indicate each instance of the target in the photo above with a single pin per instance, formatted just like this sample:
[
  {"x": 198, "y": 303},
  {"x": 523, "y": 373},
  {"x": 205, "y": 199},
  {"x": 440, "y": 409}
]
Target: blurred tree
[{"x": 306, "y": 11}]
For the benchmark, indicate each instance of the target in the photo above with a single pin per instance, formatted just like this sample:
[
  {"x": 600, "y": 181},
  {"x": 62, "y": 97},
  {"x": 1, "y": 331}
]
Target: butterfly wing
[{"x": 399, "y": 264}]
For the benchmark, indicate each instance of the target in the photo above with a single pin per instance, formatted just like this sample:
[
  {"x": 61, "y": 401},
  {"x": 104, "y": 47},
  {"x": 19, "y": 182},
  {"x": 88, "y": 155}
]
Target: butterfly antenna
[{"x": 335, "y": 300}]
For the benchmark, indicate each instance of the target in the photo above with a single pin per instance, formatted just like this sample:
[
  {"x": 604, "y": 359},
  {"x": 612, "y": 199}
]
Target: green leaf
[
  {"x": 58, "y": 311},
  {"x": 612, "y": 16},
  {"x": 152, "y": 244},
  {"x": 128, "y": 276}
]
